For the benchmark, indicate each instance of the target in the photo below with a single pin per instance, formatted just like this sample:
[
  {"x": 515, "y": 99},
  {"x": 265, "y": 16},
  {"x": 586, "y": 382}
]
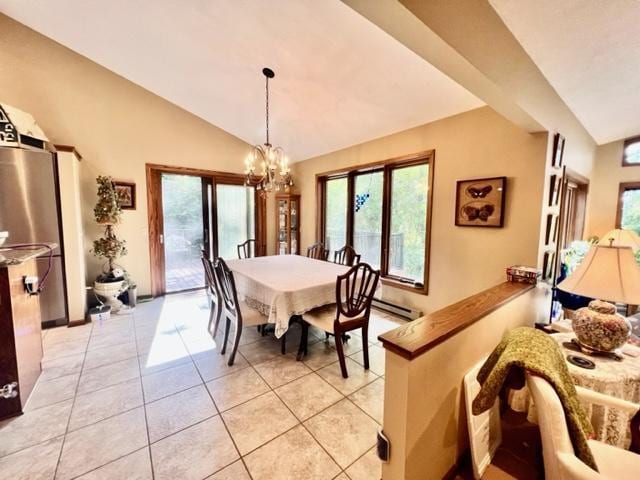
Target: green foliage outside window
[{"x": 631, "y": 210}]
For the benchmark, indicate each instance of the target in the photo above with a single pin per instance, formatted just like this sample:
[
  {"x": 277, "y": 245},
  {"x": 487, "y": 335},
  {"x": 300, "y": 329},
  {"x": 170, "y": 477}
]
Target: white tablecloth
[
  {"x": 618, "y": 379},
  {"x": 284, "y": 285}
]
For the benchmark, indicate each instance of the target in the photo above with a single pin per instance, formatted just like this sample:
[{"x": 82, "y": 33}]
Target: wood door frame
[{"x": 156, "y": 221}]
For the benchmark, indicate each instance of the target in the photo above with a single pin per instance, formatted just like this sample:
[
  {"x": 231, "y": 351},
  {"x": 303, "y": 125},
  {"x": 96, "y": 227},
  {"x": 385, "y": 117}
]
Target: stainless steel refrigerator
[{"x": 30, "y": 212}]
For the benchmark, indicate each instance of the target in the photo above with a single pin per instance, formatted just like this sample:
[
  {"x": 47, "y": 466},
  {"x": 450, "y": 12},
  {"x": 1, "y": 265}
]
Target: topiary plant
[{"x": 108, "y": 212}]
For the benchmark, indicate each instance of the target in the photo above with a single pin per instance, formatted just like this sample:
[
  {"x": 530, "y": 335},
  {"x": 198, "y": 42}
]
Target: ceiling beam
[{"x": 467, "y": 40}]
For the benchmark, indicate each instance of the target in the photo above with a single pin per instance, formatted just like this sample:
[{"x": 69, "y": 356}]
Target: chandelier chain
[
  {"x": 275, "y": 172},
  {"x": 267, "y": 109}
]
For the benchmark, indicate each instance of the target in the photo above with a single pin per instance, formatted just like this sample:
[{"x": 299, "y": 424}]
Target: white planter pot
[{"x": 109, "y": 292}]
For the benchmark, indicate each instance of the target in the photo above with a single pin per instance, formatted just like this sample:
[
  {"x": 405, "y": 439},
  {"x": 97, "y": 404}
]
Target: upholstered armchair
[{"x": 560, "y": 462}]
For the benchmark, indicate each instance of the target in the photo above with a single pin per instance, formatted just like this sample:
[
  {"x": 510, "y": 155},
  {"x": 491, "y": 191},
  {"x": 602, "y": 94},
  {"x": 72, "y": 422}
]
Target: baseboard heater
[{"x": 405, "y": 312}]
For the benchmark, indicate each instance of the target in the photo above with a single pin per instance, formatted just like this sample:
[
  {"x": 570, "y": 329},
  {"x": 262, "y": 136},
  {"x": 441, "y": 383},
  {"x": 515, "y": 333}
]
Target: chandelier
[{"x": 275, "y": 174}]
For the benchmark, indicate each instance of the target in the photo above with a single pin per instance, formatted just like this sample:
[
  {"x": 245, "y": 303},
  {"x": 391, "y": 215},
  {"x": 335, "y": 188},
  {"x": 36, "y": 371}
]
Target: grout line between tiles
[
  {"x": 240, "y": 457},
  {"x": 73, "y": 402},
  {"x": 144, "y": 405}
]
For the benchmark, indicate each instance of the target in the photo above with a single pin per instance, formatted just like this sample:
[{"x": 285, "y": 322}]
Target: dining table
[{"x": 283, "y": 286}]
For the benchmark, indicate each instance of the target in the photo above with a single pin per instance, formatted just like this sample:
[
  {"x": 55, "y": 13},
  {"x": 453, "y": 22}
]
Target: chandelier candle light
[{"x": 275, "y": 174}]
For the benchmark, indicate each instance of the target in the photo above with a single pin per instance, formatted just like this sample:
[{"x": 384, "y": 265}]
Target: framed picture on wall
[
  {"x": 126, "y": 194},
  {"x": 558, "y": 150},
  {"x": 481, "y": 202}
]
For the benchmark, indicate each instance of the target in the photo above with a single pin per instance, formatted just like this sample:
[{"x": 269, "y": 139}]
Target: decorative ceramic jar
[{"x": 599, "y": 327}]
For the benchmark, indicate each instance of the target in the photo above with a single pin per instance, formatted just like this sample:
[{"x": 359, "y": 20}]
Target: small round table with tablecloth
[{"x": 619, "y": 379}]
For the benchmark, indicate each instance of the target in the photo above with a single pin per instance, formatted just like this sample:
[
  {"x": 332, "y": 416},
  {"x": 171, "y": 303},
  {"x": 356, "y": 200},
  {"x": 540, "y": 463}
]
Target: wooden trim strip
[
  {"x": 417, "y": 337},
  {"x": 68, "y": 148}
]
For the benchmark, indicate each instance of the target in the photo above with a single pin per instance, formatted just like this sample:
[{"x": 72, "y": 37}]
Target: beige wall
[
  {"x": 476, "y": 144},
  {"x": 608, "y": 173},
  {"x": 116, "y": 125}
]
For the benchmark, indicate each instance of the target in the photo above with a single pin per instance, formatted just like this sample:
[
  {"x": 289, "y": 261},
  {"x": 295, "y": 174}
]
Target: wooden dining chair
[
  {"x": 214, "y": 295},
  {"x": 354, "y": 293},
  {"x": 347, "y": 255},
  {"x": 236, "y": 312},
  {"x": 318, "y": 251},
  {"x": 248, "y": 249}
]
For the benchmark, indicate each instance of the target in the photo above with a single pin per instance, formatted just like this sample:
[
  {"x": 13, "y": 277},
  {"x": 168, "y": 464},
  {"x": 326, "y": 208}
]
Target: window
[
  {"x": 408, "y": 225},
  {"x": 335, "y": 234},
  {"x": 631, "y": 152},
  {"x": 367, "y": 222},
  {"x": 629, "y": 207},
  {"x": 383, "y": 211}
]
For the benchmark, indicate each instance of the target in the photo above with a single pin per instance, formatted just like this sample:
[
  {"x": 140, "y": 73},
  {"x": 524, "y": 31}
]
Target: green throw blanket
[{"x": 529, "y": 349}]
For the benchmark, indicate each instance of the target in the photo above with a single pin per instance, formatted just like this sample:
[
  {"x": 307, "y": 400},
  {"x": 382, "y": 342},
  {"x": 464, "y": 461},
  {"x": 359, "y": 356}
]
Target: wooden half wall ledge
[{"x": 415, "y": 338}]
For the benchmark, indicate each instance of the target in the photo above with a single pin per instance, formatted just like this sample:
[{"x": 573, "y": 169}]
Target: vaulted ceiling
[
  {"x": 589, "y": 51},
  {"x": 340, "y": 80}
]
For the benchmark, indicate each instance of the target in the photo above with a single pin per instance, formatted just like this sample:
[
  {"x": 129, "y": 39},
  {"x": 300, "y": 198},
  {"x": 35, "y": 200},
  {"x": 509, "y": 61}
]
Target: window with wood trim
[
  {"x": 628, "y": 216},
  {"x": 382, "y": 210},
  {"x": 631, "y": 152}
]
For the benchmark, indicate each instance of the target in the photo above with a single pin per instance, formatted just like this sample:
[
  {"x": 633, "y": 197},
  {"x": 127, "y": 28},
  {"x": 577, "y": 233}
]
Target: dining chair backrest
[
  {"x": 209, "y": 275},
  {"x": 248, "y": 249},
  {"x": 347, "y": 255},
  {"x": 226, "y": 286},
  {"x": 355, "y": 290},
  {"x": 318, "y": 251}
]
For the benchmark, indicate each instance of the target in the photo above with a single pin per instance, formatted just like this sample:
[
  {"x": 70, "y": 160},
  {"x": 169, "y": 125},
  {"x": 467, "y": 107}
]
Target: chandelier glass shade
[{"x": 267, "y": 167}]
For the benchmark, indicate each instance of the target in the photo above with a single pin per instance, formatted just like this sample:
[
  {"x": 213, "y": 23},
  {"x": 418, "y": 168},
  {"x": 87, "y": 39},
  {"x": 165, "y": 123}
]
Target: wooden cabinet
[
  {"x": 287, "y": 223},
  {"x": 20, "y": 336}
]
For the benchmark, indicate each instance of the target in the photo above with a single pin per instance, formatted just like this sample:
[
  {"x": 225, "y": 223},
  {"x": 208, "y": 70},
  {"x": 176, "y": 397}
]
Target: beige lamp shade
[
  {"x": 621, "y": 238},
  {"x": 606, "y": 273}
]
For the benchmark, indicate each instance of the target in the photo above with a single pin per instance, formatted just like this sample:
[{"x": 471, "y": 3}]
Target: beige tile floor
[{"x": 148, "y": 396}]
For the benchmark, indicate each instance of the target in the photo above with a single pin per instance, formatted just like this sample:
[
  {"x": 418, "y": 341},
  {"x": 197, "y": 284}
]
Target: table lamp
[
  {"x": 620, "y": 237},
  {"x": 608, "y": 273}
]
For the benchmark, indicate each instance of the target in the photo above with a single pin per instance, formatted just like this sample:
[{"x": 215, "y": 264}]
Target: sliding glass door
[
  {"x": 182, "y": 212},
  {"x": 236, "y": 218},
  {"x": 200, "y": 213}
]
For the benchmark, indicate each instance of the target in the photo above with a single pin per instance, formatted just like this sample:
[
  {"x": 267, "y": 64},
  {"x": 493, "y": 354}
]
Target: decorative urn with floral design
[
  {"x": 599, "y": 327},
  {"x": 609, "y": 273}
]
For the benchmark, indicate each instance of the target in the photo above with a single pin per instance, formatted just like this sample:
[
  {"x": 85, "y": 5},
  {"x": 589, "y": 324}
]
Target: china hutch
[{"x": 288, "y": 223}]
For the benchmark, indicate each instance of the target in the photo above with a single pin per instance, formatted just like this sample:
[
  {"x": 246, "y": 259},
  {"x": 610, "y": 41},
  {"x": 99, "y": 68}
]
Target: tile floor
[{"x": 148, "y": 396}]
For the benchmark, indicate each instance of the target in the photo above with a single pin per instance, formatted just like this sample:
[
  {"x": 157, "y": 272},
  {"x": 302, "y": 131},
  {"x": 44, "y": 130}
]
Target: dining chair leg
[
  {"x": 283, "y": 344},
  {"x": 365, "y": 347},
  {"x": 218, "y": 316},
  {"x": 226, "y": 337},
  {"x": 236, "y": 344},
  {"x": 326, "y": 336},
  {"x": 212, "y": 313},
  {"x": 340, "y": 350}
]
